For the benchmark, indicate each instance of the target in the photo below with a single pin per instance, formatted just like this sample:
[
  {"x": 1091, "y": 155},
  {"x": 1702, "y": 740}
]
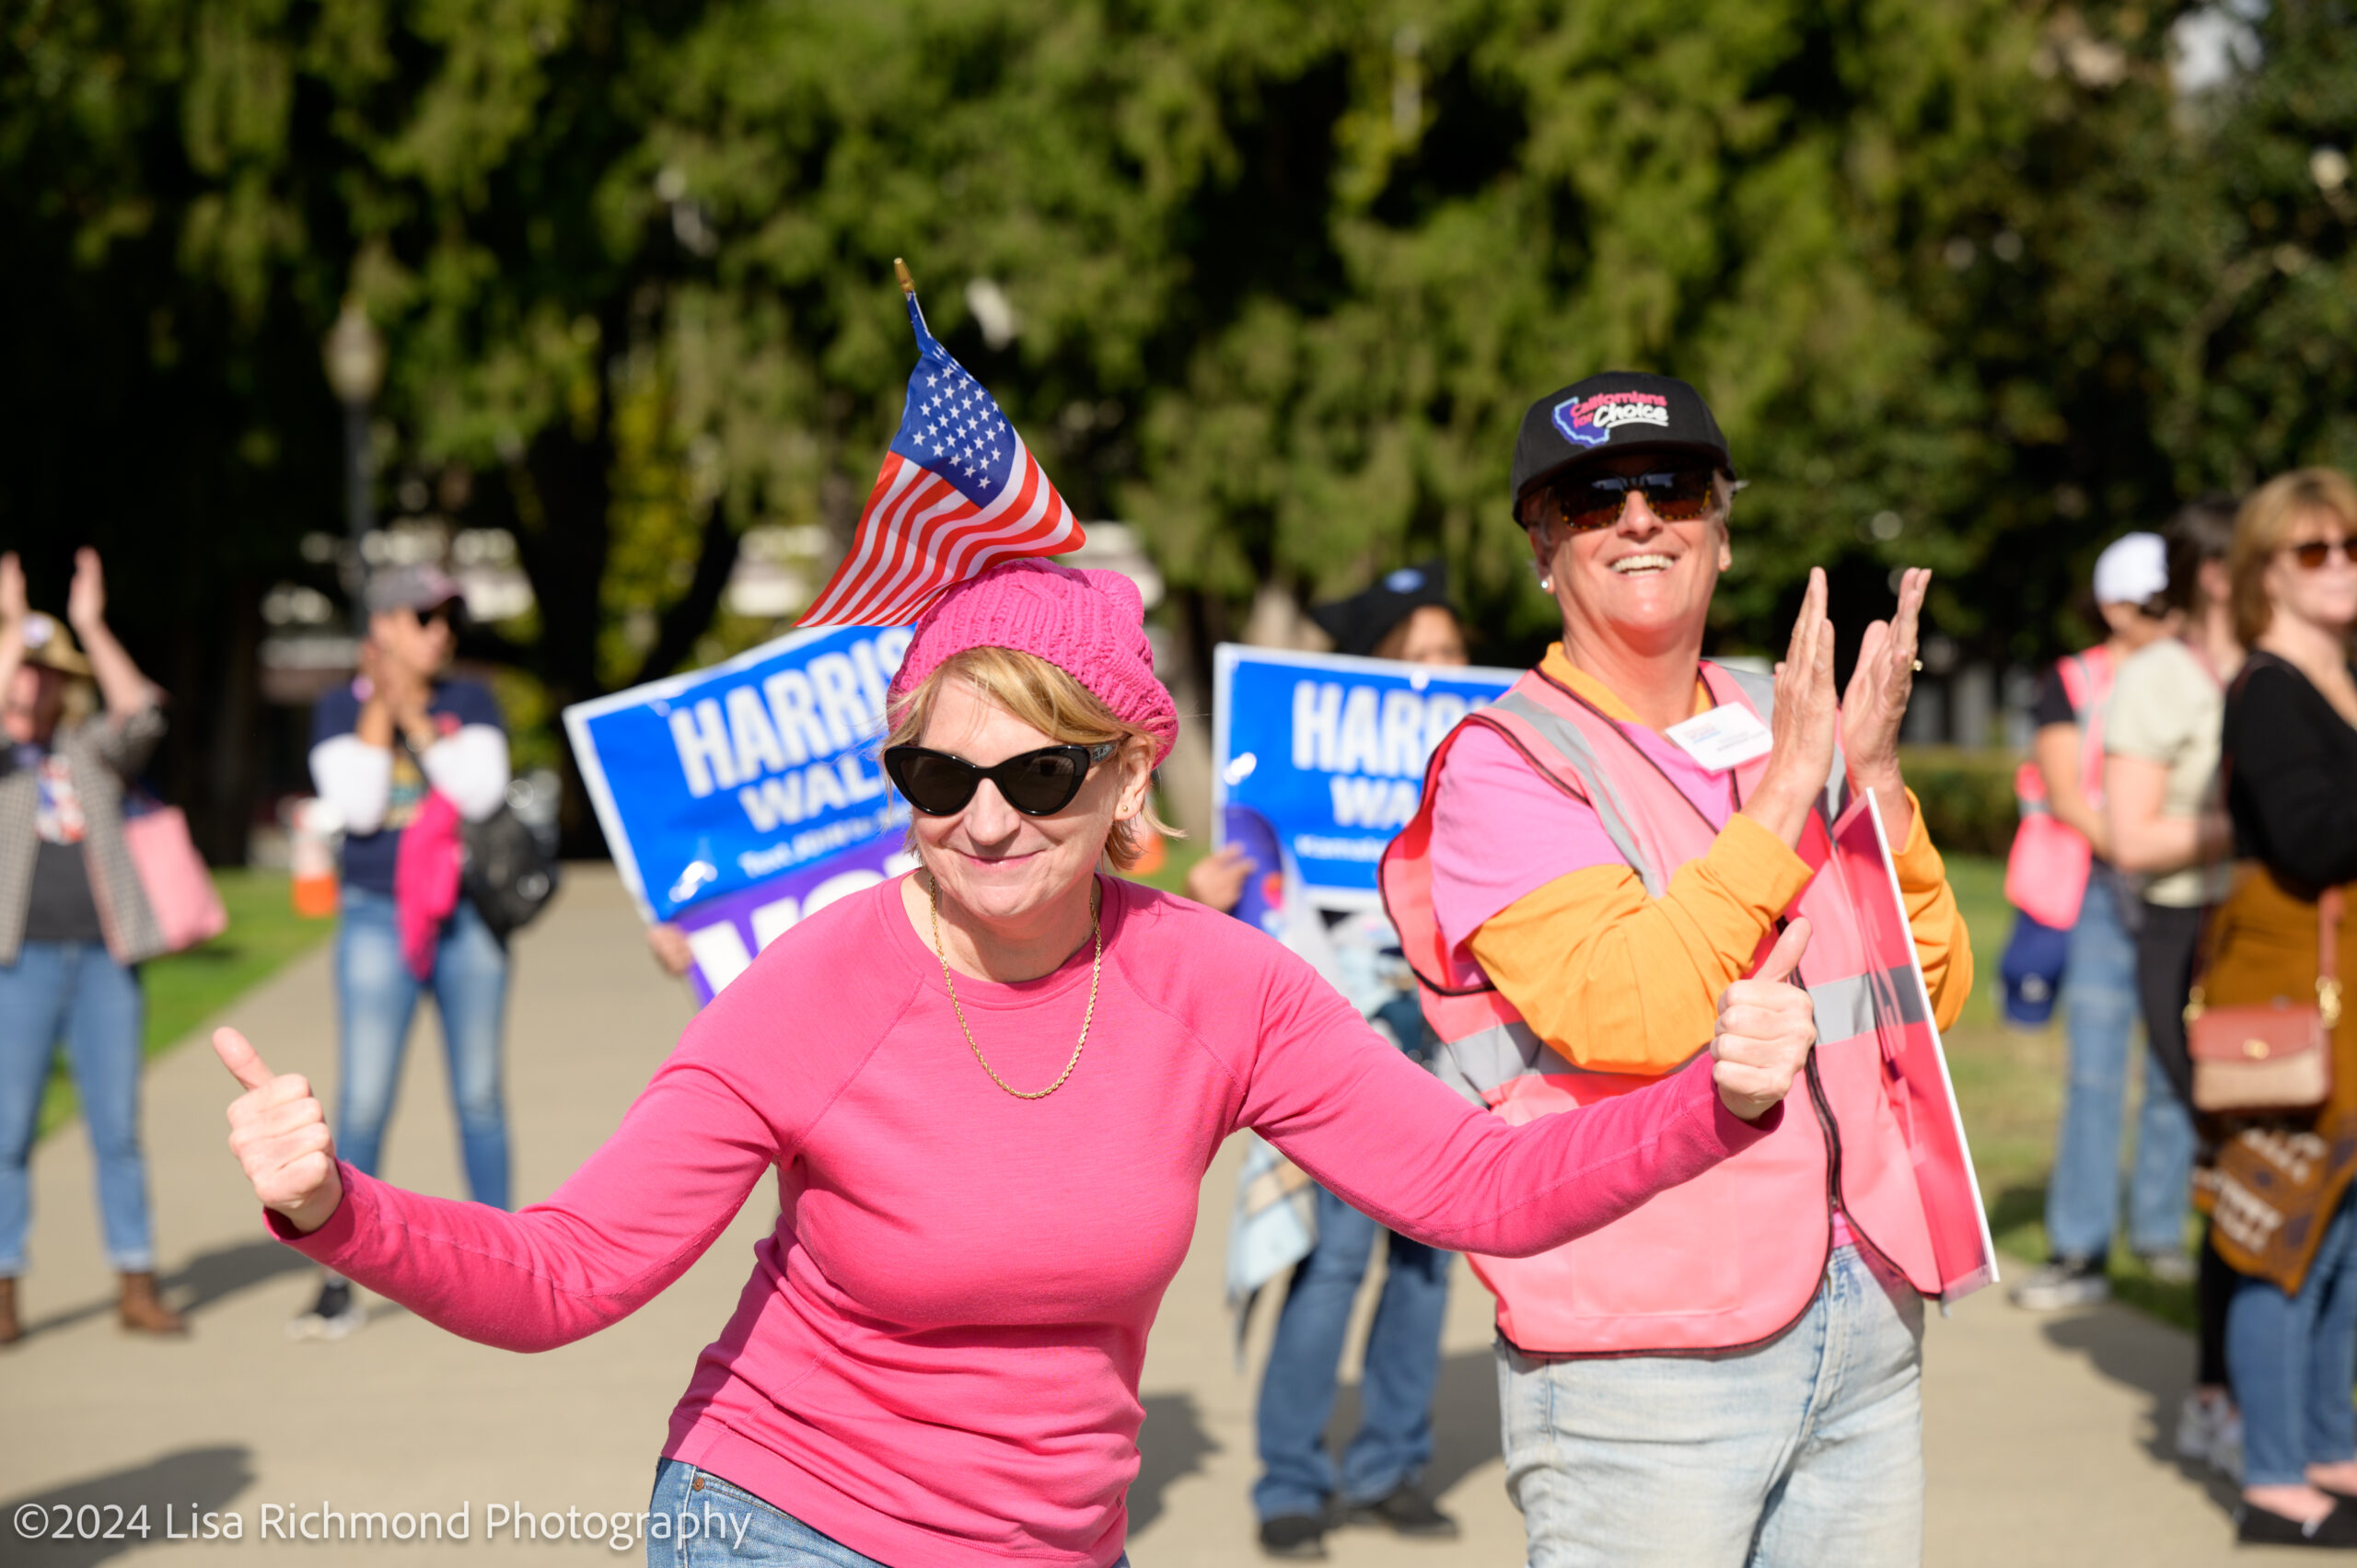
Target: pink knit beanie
[{"x": 1088, "y": 623}]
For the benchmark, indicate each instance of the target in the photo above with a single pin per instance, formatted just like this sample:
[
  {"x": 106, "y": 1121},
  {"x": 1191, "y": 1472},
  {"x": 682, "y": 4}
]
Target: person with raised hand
[
  {"x": 989, "y": 1091},
  {"x": 1599, "y": 859},
  {"x": 75, "y": 923}
]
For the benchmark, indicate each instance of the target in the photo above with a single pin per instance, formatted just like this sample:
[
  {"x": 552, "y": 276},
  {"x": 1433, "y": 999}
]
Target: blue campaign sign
[
  {"x": 1331, "y": 751},
  {"x": 708, "y": 782}
]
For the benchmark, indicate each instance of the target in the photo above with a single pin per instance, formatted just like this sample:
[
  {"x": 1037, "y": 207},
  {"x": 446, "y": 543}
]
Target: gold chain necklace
[{"x": 1096, "y": 962}]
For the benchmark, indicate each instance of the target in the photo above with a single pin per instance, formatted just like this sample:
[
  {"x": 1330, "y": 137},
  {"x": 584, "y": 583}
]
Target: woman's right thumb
[{"x": 1785, "y": 956}]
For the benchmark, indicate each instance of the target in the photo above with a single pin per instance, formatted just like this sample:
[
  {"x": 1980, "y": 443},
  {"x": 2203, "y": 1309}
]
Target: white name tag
[{"x": 1727, "y": 737}]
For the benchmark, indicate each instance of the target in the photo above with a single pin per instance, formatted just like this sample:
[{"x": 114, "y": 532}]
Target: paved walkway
[{"x": 2047, "y": 1438}]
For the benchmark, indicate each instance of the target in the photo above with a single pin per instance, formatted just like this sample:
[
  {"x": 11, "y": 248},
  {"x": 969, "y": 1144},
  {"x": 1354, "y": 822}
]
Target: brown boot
[
  {"x": 10, "y": 1330},
  {"x": 142, "y": 1311}
]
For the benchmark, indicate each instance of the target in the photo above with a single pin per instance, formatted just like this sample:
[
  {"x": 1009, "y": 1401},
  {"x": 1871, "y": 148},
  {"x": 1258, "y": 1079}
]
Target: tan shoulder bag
[{"x": 2275, "y": 1058}]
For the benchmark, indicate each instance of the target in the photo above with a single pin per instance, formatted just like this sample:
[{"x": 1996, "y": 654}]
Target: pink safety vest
[{"x": 1733, "y": 1256}]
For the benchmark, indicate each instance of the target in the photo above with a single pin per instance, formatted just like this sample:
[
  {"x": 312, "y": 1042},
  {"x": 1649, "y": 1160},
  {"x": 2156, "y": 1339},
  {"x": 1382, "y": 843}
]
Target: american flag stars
[{"x": 958, "y": 491}]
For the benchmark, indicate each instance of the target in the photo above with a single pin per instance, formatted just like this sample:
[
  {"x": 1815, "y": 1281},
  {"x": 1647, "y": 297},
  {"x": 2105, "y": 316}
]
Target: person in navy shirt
[{"x": 406, "y": 757}]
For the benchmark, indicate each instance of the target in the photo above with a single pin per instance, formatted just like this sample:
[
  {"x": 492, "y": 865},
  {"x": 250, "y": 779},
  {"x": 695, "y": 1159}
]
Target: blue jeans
[
  {"x": 1806, "y": 1450},
  {"x": 1395, "y": 1436},
  {"x": 375, "y": 996},
  {"x": 708, "y": 1520},
  {"x": 2291, "y": 1359},
  {"x": 74, "y": 991},
  {"x": 2100, "y": 1006}
]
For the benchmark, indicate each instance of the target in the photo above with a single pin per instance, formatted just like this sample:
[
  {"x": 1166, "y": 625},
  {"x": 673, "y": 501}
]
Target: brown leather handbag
[{"x": 2276, "y": 1058}]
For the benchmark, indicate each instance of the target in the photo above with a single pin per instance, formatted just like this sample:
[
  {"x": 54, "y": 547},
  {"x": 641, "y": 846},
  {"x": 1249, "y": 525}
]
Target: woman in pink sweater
[{"x": 989, "y": 1092}]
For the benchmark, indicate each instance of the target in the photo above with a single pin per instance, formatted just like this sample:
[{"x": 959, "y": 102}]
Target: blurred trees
[{"x": 1968, "y": 281}]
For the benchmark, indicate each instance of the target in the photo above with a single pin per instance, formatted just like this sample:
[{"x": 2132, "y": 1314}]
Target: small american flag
[{"x": 960, "y": 493}]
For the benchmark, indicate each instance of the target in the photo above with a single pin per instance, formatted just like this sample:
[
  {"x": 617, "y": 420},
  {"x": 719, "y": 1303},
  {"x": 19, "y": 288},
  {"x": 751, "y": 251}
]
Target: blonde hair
[
  {"x": 2265, "y": 525},
  {"x": 1050, "y": 701}
]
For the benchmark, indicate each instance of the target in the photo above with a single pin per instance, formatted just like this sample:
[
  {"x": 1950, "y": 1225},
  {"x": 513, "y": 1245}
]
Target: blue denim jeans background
[
  {"x": 2291, "y": 1359},
  {"x": 771, "y": 1539},
  {"x": 1402, "y": 1362},
  {"x": 1807, "y": 1450},
  {"x": 376, "y": 996},
  {"x": 2100, "y": 1008},
  {"x": 74, "y": 992}
]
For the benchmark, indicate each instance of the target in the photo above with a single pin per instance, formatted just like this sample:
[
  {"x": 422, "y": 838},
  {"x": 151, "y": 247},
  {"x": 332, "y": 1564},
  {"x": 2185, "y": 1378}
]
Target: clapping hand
[
  {"x": 1767, "y": 1026},
  {"x": 1875, "y": 703},
  {"x": 279, "y": 1132},
  {"x": 1804, "y": 725},
  {"x": 14, "y": 606},
  {"x": 85, "y": 599}
]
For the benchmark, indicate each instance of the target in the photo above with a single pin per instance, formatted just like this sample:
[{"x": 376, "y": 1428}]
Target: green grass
[
  {"x": 1179, "y": 853},
  {"x": 185, "y": 989},
  {"x": 2009, "y": 1087}
]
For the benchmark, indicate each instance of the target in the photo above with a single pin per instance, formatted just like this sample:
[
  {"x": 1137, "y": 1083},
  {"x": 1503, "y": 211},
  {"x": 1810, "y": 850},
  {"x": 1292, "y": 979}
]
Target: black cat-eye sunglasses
[{"x": 1038, "y": 783}]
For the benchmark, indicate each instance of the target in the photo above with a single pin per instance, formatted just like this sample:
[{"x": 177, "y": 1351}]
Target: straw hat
[{"x": 50, "y": 646}]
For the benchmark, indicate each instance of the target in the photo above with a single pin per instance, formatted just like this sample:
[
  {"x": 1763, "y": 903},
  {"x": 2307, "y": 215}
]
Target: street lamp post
[{"x": 353, "y": 353}]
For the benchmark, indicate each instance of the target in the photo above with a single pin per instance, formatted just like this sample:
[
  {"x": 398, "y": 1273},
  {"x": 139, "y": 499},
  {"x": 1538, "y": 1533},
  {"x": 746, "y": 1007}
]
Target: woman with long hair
[{"x": 2278, "y": 1186}]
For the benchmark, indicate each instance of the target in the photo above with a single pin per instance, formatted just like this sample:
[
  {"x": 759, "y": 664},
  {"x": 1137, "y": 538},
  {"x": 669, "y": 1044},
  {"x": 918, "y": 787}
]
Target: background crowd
[{"x": 2202, "y": 753}]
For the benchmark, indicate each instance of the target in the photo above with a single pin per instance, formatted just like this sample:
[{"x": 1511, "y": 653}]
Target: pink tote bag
[{"x": 180, "y": 891}]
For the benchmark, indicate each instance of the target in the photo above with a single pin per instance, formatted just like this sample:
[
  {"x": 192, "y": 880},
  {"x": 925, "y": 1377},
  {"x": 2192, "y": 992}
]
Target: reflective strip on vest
[
  {"x": 1603, "y": 794},
  {"x": 1845, "y": 1008},
  {"x": 1486, "y": 1060},
  {"x": 1481, "y": 1063}
]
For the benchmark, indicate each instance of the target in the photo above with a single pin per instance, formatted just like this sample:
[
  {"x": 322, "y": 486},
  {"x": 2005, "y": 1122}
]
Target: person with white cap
[
  {"x": 406, "y": 755},
  {"x": 2100, "y": 997}
]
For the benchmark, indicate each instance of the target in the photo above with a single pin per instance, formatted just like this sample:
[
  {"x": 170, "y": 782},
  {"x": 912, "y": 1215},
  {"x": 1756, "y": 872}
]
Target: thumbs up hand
[
  {"x": 279, "y": 1132},
  {"x": 1766, "y": 1027}
]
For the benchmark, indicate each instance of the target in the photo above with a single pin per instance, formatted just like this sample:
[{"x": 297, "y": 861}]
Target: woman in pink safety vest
[{"x": 1732, "y": 1373}]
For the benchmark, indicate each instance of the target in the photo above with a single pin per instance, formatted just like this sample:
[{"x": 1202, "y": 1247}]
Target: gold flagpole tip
[{"x": 900, "y": 271}]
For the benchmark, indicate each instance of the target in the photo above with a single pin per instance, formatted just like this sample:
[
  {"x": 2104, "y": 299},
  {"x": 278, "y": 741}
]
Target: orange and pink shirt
[{"x": 1526, "y": 880}]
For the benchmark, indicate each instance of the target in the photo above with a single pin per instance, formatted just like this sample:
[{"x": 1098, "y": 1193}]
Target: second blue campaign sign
[{"x": 1331, "y": 751}]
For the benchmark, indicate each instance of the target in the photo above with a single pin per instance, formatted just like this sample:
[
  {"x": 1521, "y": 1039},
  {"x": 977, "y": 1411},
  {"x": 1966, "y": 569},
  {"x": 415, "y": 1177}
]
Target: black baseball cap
[
  {"x": 1363, "y": 620},
  {"x": 1619, "y": 411}
]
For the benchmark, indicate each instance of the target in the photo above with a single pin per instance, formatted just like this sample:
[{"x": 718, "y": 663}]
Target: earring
[{"x": 1546, "y": 583}]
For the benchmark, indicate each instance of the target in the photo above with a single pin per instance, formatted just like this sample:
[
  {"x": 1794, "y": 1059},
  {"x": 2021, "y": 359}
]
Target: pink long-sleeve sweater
[{"x": 936, "y": 1357}]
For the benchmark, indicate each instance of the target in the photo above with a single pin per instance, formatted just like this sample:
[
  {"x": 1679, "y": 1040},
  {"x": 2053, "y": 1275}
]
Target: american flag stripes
[{"x": 960, "y": 493}]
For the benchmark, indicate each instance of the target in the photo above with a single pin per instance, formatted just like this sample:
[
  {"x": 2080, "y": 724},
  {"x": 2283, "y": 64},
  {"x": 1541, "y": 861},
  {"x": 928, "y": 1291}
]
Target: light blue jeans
[
  {"x": 1804, "y": 1451},
  {"x": 712, "y": 1521},
  {"x": 2291, "y": 1359},
  {"x": 2100, "y": 1006},
  {"x": 74, "y": 992},
  {"x": 376, "y": 996}
]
